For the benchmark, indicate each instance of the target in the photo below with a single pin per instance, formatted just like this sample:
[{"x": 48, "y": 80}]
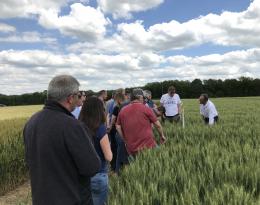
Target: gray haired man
[{"x": 59, "y": 153}]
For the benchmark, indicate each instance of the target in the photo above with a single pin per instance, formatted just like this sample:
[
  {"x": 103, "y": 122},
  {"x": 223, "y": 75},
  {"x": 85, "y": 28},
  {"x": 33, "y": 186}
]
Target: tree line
[{"x": 241, "y": 87}]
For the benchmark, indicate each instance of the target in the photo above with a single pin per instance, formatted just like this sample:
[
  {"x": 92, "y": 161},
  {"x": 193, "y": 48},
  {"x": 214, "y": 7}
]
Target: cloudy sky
[{"x": 107, "y": 44}]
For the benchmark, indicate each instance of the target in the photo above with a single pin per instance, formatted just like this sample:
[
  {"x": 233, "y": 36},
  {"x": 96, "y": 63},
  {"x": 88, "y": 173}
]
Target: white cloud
[
  {"x": 125, "y": 8},
  {"x": 28, "y": 37},
  {"x": 5, "y": 28},
  {"x": 130, "y": 56},
  {"x": 26, "y": 8},
  {"x": 84, "y": 22},
  {"x": 227, "y": 29},
  {"x": 113, "y": 71}
]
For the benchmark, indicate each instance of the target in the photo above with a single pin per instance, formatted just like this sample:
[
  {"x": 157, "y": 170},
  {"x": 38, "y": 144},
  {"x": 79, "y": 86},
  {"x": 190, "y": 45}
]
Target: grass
[
  {"x": 197, "y": 165},
  {"x": 12, "y": 112}
]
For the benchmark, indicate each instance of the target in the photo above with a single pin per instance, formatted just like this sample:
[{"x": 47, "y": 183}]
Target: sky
[{"x": 110, "y": 44}]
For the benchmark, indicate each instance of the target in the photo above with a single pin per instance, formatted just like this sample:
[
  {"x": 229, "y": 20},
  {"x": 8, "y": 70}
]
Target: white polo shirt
[
  {"x": 170, "y": 104},
  {"x": 209, "y": 111}
]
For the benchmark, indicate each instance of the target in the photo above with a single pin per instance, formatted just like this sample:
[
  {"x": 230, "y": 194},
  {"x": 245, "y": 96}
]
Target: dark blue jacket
[{"x": 60, "y": 157}]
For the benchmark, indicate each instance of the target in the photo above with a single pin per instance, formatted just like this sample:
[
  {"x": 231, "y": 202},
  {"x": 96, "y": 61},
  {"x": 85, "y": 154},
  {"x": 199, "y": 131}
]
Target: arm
[
  {"x": 112, "y": 122},
  {"x": 201, "y": 112},
  {"x": 179, "y": 108},
  {"x": 211, "y": 118},
  {"x": 119, "y": 130},
  {"x": 158, "y": 126},
  {"x": 179, "y": 104},
  {"x": 82, "y": 151},
  {"x": 162, "y": 101},
  {"x": 114, "y": 117},
  {"x": 107, "y": 120},
  {"x": 106, "y": 149}
]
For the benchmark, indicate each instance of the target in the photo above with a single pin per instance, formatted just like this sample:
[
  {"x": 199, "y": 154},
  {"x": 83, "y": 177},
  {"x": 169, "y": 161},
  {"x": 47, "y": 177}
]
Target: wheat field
[{"x": 197, "y": 165}]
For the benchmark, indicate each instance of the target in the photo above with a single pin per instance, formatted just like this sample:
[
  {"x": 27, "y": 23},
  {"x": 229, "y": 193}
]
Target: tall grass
[
  {"x": 12, "y": 167},
  {"x": 197, "y": 165}
]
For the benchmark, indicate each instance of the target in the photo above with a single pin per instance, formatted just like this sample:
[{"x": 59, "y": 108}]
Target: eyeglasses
[
  {"x": 80, "y": 95},
  {"x": 73, "y": 94}
]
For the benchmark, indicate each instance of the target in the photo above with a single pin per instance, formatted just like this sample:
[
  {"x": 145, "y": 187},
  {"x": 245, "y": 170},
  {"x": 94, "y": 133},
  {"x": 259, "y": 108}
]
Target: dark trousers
[
  {"x": 122, "y": 154},
  {"x": 175, "y": 118},
  {"x": 206, "y": 120},
  {"x": 113, "y": 144}
]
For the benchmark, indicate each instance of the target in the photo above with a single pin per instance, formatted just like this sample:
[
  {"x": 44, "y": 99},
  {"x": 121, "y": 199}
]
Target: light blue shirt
[{"x": 76, "y": 112}]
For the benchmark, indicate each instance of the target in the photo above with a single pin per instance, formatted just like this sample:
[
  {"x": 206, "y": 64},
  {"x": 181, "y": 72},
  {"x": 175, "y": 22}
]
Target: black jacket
[{"x": 60, "y": 157}]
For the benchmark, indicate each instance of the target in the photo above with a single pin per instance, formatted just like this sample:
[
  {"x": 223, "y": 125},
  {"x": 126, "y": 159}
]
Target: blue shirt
[
  {"x": 150, "y": 103},
  {"x": 101, "y": 132},
  {"x": 76, "y": 112}
]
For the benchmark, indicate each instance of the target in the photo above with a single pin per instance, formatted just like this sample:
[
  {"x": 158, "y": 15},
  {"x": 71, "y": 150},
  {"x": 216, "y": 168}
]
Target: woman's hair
[{"x": 92, "y": 113}]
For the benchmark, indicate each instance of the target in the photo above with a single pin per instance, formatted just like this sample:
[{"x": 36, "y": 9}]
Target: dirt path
[{"x": 20, "y": 196}]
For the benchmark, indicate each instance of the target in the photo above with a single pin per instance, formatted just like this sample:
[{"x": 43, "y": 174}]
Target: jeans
[{"x": 99, "y": 188}]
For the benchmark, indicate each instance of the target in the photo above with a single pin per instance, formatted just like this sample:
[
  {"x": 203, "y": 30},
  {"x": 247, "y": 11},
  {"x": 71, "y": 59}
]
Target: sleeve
[
  {"x": 162, "y": 100},
  {"x": 108, "y": 105},
  {"x": 150, "y": 114},
  {"x": 118, "y": 121},
  {"x": 211, "y": 116},
  {"x": 101, "y": 132},
  {"x": 82, "y": 150},
  {"x": 201, "y": 111},
  {"x": 178, "y": 100}
]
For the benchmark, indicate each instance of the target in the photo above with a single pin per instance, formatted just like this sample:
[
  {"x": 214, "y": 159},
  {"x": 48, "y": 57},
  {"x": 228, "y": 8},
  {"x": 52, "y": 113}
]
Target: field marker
[{"x": 183, "y": 121}]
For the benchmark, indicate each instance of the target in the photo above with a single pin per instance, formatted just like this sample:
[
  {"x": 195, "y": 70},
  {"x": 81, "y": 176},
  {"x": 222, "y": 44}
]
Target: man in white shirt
[
  {"x": 81, "y": 99},
  {"x": 172, "y": 103},
  {"x": 208, "y": 110}
]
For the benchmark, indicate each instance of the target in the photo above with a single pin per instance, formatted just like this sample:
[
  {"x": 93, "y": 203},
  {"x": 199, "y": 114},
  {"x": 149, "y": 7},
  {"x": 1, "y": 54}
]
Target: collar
[
  {"x": 136, "y": 101},
  {"x": 54, "y": 105},
  {"x": 207, "y": 103}
]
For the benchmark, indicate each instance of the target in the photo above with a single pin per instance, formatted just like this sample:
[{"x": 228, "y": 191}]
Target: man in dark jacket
[{"x": 58, "y": 151}]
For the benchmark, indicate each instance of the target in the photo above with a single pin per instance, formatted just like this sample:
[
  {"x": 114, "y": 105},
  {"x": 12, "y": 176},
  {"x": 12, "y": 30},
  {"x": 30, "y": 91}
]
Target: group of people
[{"x": 70, "y": 142}]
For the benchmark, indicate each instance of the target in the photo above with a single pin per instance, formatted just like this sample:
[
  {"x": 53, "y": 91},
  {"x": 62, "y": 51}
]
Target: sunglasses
[{"x": 79, "y": 95}]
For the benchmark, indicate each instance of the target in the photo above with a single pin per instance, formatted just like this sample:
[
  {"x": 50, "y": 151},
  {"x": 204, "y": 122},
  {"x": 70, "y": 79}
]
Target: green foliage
[
  {"x": 215, "y": 88},
  {"x": 199, "y": 164},
  {"x": 186, "y": 89},
  {"x": 12, "y": 166},
  {"x": 36, "y": 98}
]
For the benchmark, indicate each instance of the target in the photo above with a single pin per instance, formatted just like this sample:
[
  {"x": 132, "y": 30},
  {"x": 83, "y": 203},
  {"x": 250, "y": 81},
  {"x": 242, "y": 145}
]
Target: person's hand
[{"x": 162, "y": 139}]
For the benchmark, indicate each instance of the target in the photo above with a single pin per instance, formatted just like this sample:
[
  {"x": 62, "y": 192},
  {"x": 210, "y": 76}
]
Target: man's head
[
  {"x": 81, "y": 98},
  {"x": 102, "y": 95},
  {"x": 65, "y": 90},
  {"x": 127, "y": 96},
  {"x": 137, "y": 94},
  {"x": 148, "y": 94},
  {"x": 89, "y": 93},
  {"x": 171, "y": 91},
  {"x": 83, "y": 95},
  {"x": 203, "y": 99},
  {"x": 119, "y": 98}
]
